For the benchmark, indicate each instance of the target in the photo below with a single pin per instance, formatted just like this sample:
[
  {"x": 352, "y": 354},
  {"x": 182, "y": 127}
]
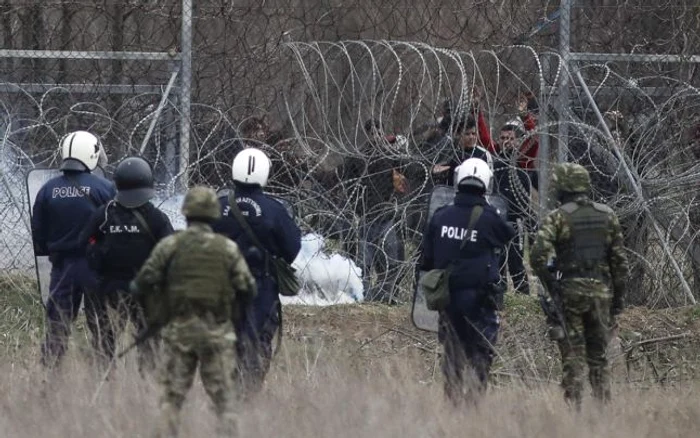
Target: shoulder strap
[
  {"x": 144, "y": 223},
  {"x": 74, "y": 182},
  {"x": 476, "y": 214},
  {"x": 243, "y": 222}
]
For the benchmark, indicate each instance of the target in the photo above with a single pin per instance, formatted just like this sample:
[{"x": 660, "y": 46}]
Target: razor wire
[
  {"x": 329, "y": 131},
  {"x": 276, "y": 81}
]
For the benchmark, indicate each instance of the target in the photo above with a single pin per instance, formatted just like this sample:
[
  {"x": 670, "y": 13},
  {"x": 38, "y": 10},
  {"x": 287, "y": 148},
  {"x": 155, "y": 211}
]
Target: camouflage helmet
[
  {"x": 571, "y": 178},
  {"x": 201, "y": 203}
]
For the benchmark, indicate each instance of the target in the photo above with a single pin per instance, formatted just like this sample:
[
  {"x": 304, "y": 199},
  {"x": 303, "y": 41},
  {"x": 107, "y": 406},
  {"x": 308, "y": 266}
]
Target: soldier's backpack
[
  {"x": 199, "y": 279},
  {"x": 285, "y": 274},
  {"x": 435, "y": 283}
]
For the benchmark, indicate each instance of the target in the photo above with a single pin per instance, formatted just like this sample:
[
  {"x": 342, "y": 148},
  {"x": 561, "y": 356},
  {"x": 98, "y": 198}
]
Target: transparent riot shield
[
  {"x": 36, "y": 178},
  {"x": 287, "y": 205},
  {"x": 441, "y": 196},
  {"x": 422, "y": 317},
  {"x": 500, "y": 204}
]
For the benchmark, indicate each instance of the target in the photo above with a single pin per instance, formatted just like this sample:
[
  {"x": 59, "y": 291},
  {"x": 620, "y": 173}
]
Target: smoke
[
  {"x": 326, "y": 278},
  {"x": 171, "y": 206}
]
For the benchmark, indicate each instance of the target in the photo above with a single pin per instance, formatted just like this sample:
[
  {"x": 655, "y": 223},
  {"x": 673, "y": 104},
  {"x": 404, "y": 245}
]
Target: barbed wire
[{"x": 301, "y": 82}]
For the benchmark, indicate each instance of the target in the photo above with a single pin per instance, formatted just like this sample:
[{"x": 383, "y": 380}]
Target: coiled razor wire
[{"x": 335, "y": 87}]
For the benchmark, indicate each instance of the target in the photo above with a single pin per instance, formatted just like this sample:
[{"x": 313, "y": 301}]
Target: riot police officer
[
  {"x": 119, "y": 238},
  {"x": 470, "y": 236},
  {"x": 62, "y": 209},
  {"x": 279, "y": 236}
]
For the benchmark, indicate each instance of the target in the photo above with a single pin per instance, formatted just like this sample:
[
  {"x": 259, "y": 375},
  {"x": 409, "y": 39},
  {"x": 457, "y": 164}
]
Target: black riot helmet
[{"x": 134, "y": 180}]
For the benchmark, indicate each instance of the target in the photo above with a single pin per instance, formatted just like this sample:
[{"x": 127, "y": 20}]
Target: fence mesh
[{"x": 301, "y": 79}]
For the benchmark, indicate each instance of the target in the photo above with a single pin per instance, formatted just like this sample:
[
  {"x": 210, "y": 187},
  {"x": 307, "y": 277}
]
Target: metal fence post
[
  {"x": 563, "y": 88},
  {"x": 185, "y": 94},
  {"x": 633, "y": 178}
]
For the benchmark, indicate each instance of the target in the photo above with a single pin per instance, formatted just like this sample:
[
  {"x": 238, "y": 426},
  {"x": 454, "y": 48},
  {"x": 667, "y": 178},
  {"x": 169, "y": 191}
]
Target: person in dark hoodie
[
  {"x": 280, "y": 236},
  {"x": 61, "y": 211},
  {"x": 514, "y": 185},
  {"x": 471, "y": 236},
  {"x": 373, "y": 173},
  {"x": 465, "y": 145}
]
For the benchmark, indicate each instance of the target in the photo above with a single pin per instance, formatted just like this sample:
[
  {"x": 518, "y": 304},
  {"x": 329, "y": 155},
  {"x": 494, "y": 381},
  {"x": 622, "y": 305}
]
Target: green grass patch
[
  {"x": 522, "y": 307},
  {"x": 21, "y": 312}
]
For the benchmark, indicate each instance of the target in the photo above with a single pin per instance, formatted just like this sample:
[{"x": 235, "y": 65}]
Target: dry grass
[
  {"x": 328, "y": 398},
  {"x": 349, "y": 371}
]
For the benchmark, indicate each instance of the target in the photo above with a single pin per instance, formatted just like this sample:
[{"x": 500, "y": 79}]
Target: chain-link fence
[
  {"x": 629, "y": 96},
  {"x": 301, "y": 80}
]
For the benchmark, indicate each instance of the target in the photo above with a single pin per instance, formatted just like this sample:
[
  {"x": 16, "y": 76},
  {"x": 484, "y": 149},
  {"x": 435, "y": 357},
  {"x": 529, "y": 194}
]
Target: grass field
[{"x": 363, "y": 370}]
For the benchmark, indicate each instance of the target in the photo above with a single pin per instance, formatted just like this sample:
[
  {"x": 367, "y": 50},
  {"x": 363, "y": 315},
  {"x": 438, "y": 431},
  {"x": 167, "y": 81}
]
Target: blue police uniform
[
  {"x": 280, "y": 236},
  {"x": 469, "y": 326},
  {"x": 62, "y": 209}
]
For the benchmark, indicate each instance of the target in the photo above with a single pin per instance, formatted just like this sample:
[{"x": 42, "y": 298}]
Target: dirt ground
[{"x": 659, "y": 346}]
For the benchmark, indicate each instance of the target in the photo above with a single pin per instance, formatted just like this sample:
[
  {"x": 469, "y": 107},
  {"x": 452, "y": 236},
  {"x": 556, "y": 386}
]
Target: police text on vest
[
  {"x": 457, "y": 233},
  {"x": 70, "y": 192}
]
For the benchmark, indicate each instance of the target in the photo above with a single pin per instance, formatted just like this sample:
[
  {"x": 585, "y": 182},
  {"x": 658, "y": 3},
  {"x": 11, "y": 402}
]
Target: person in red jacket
[
  {"x": 525, "y": 124},
  {"x": 515, "y": 175}
]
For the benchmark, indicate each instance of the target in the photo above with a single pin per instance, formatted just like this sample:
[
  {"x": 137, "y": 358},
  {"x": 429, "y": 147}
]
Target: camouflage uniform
[
  {"x": 196, "y": 277},
  {"x": 586, "y": 239}
]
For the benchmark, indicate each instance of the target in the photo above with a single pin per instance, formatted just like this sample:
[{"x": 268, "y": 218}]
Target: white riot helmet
[
  {"x": 473, "y": 172},
  {"x": 80, "y": 150},
  {"x": 251, "y": 166}
]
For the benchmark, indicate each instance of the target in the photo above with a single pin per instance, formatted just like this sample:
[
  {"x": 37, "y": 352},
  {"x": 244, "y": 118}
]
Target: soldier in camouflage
[
  {"x": 199, "y": 279},
  {"x": 586, "y": 239}
]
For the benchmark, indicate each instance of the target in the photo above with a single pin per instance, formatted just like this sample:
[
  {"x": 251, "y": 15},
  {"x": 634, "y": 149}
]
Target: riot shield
[
  {"x": 286, "y": 204},
  {"x": 35, "y": 179},
  {"x": 500, "y": 204},
  {"x": 422, "y": 317},
  {"x": 441, "y": 196}
]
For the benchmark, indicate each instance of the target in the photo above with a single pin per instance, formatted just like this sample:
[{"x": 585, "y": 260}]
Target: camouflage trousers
[
  {"x": 213, "y": 352},
  {"x": 588, "y": 325}
]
